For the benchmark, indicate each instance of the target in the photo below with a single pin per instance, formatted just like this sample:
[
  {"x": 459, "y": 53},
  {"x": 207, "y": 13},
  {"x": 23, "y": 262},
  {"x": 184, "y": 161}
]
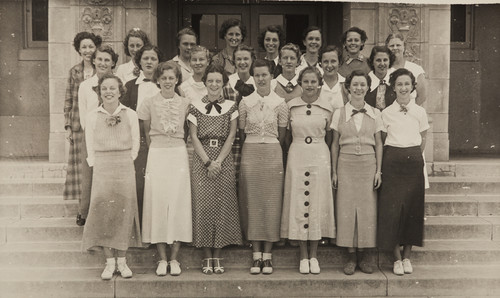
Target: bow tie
[
  {"x": 244, "y": 89},
  {"x": 403, "y": 109},
  {"x": 146, "y": 80},
  {"x": 354, "y": 112},
  {"x": 211, "y": 104},
  {"x": 288, "y": 87},
  {"x": 382, "y": 82}
]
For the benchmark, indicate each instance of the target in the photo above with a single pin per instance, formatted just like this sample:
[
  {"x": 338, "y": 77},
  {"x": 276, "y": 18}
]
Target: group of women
[{"x": 287, "y": 147}]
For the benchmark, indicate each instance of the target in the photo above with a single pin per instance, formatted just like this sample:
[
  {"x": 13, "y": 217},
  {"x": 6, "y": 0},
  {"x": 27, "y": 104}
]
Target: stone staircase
[{"x": 40, "y": 253}]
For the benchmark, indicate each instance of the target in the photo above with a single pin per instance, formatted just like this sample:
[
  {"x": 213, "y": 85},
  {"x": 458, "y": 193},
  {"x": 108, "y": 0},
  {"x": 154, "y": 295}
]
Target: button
[
  {"x": 306, "y": 193},
  {"x": 306, "y": 183},
  {"x": 306, "y": 226},
  {"x": 307, "y": 174},
  {"x": 306, "y": 214},
  {"x": 309, "y": 106},
  {"x": 306, "y": 203},
  {"x": 308, "y": 140},
  {"x": 308, "y": 112}
]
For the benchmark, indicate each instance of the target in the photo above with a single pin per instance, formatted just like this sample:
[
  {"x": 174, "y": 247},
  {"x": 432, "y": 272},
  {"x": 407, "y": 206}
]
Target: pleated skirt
[
  {"x": 113, "y": 219},
  {"x": 401, "y": 198},
  {"x": 356, "y": 201},
  {"x": 167, "y": 197},
  {"x": 261, "y": 191}
]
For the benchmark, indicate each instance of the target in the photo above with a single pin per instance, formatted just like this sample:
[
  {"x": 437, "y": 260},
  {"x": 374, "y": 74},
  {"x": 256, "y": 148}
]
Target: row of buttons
[
  {"x": 308, "y": 112},
  {"x": 306, "y": 203}
]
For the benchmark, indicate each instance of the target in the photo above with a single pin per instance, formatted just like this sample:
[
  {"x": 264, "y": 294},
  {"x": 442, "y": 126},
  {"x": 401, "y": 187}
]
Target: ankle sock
[
  {"x": 267, "y": 256},
  {"x": 121, "y": 260},
  {"x": 257, "y": 255},
  {"x": 110, "y": 261}
]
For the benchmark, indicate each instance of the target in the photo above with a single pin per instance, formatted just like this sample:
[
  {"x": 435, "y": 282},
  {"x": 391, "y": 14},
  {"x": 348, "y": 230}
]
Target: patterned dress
[{"x": 215, "y": 206}]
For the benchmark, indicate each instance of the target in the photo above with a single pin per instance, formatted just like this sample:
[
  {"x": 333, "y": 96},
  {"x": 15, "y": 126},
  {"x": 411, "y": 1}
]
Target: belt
[{"x": 214, "y": 143}]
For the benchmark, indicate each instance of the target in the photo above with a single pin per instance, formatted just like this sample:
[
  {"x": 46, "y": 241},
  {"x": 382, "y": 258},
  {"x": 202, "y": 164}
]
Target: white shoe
[
  {"x": 175, "y": 268},
  {"x": 161, "y": 270},
  {"x": 124, "y": 270},
  {"x": 398, "y": 268},
  {"x": 407, "y": 266},
  {"x": 314, "y": 266},
  {"x": 109, "y": 270},
  {"x": 304, "y": 266}
]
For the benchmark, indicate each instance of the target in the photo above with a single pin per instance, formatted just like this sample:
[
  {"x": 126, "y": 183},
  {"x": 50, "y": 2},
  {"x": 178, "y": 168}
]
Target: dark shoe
[
  {"x": 79, "y": 220},
  {"x": 267, "y": 267},
  {"x": 365, "y": 267},
  {"x": 256, "y": 266},
  {"x": 350, "y": 268}
]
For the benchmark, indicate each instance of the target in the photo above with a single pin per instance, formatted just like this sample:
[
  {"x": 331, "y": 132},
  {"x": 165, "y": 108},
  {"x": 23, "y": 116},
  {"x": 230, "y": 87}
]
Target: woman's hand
[
  {"x": 377, "y": 181},
  {"x": 214, "y": 169},
  {"x": 335, "y": 181},
  {"x": 69, "y": 135}
]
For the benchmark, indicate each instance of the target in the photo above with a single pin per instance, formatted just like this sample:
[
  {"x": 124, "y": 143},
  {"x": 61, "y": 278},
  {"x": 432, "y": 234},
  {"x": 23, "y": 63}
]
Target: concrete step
[
  {"x": 464, "y": 185},
  {"x": 453, "y": 281},
  {"x": 32, "y": 187},
  {"x": 487, "y": 167},
  {"x": 69, "y": 254},
  {"x": 31, "y": 168},
  {"x": 37, "y": 207},
  {"x": 65, "y": 229},
  {"x": 462, "y": 205}
]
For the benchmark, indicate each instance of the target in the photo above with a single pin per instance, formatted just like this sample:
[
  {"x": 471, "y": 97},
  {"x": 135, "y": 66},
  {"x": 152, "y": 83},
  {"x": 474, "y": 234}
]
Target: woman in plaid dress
[{"x": 85, "y": 44}]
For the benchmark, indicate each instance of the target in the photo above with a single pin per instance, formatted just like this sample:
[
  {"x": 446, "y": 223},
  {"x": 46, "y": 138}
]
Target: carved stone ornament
[
  {"x": 404, "y": 19},
  {"x": 96, "y": 2},
  {"x": 98, "y": 20}
]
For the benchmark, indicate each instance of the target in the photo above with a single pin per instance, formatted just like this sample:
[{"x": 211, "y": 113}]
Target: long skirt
[
  {"x": 113, "y": 219},
  {"x": 308, "y": 212},
  {"x": 167, "y": 197},
  {"x": 261, "y": 191},
  {"x": 140, "y": 171},
  {"x": 356, "y": 201},
  {"x": 72, "y": 189},
  {"x": 401, "y": 198}
]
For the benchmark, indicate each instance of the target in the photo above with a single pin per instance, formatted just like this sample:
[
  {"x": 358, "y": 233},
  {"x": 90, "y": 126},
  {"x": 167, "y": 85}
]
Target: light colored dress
[
  {"x": 308, "y": 212},
  {"x": 167, "y": 191}
]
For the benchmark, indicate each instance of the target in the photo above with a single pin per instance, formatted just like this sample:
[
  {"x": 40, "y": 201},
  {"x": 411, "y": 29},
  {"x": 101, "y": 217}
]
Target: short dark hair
[
  {"x": 185, "y": 31},
  {"x": 310, "y": 29},
  {"x": 330, "y": 48},
  {"x": 361, "y": 33},
  {"x": 215, "y": 68},
  {"x": 96, "y": 39},
  {"x": 244, "y": 47},
  {"x": 232, "y": 23},
  {"x": 121, "y": 87},
  {"x": 149, "y": 47},
  {"x": 381, "y": 49},
  {"x": 106, "y": 49},
  {"x": 274, "y": 29},
  {"x": 310, "y": 69},
  {"x": 402, "y": 72},
  {"x": 261, "y": 63},
  {"x": 135, "y": 32},
  {"x": 356, "y": 73}
]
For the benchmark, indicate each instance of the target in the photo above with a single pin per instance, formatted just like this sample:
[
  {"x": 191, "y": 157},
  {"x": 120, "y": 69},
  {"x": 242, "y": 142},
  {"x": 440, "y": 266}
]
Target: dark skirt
[{"x": 401, "y": 198}]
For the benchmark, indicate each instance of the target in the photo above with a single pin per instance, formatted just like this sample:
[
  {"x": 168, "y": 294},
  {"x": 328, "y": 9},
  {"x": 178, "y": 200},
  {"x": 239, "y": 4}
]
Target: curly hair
[
  {"x": 394, "y": 35},
  {"x": 218, "y": 69},
  {"x": 381, "y": 49},
  {"x": 135, "y": 32},
  {"x": 274, "y": 29},
  {"x": 169, "y": 65},
  {"x": 185, "y": 31},
  {"x": 291, "y": 47},
  {"x": 244, "y": 47},
  {"x": 149, "y": 47},
  {"x": 106, "y": 49},
  {"x": 310, "y": 29},
  {"x": 361, "y": 33},
  {"x": 330, "y": 48},
  {"x": 121, "y": 87},
  {"x": 96, "y": 39},
  {"x": 232, "y": 23},
  {"x": 310, "y": 69},
  {"x": 402, "y": 72},
  {"x": 356, "y": 73}
]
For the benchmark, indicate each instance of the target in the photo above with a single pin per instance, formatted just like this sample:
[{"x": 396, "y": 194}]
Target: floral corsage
[{"x": 113, "y": 120}]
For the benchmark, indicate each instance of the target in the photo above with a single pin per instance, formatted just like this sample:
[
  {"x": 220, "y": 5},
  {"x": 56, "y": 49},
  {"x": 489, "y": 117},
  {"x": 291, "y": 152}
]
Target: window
[
  {"x": 36, "y": 23},
  {"x": 461, "y": 26}
]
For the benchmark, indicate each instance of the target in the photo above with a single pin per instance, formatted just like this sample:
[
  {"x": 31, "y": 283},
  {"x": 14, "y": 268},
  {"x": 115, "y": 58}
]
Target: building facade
[{"x": 456, "y": 45}]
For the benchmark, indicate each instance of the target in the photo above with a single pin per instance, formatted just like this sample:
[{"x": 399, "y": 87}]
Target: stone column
[
  {"x": 431, "y": 51},
  {"x": 111, "y": 19}
]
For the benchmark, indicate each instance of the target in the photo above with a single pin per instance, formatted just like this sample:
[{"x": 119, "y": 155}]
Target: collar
[
  {"x": 336, "y": 87},
  {"x": 348, "y": 59},
  {"x": 272, "y": 100},
  {"x": 349, "y": 108},
  {"x": 376, "y": 81},
  {"x": 141, "y": 78},
  {"x": 205, "y": 100},
  {"x": 281, "y": 79},
  {"x": 235, "y": 77},
  {"x": 192, "y": 82},
  {"x": 118, "y": 109},
  {"x": 182, "y": 64},
  {"x": 93, "y": 80},
  {"x": 397, "y": 107},
  {"x": 320, "y": 102},
  {"x": 304, "y": 62}
]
